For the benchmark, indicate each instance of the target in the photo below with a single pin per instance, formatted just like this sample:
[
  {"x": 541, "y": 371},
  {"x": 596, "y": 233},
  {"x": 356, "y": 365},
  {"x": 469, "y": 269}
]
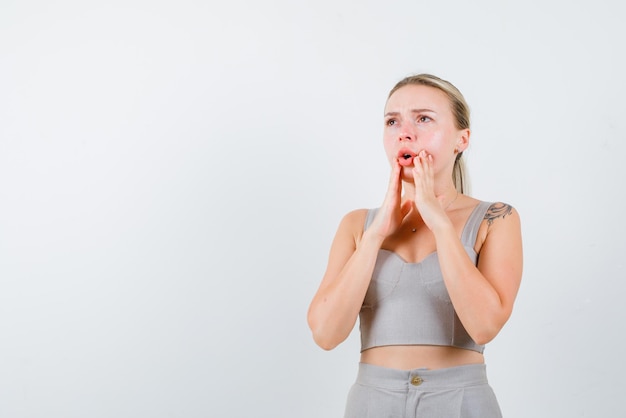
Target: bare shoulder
[
  {"x": 344, "y": 244},
  {"x": 353, "y": 224},
  {"x": 356, "y": 215},
  {"x": 499, "y": 212},
  {"x": 501, "y": 254},
  {"x": 500, "y": 222}
]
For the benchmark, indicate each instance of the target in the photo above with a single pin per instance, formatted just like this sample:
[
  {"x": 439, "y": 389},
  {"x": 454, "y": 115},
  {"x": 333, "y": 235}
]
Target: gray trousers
[{"x": 455, "y": 392}]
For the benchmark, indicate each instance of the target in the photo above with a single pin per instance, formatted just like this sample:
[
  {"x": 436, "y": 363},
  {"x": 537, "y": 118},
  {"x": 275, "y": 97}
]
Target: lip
[
  {"x": 405, "y": 157},
  {"x": 406, "y": 151}
]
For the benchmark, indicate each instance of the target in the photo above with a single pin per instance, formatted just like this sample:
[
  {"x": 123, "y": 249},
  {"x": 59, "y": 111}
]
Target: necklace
[{"x": 444, "y": 209}]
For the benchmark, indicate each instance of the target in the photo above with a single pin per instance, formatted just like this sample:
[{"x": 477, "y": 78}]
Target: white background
[{"x": 172, "y": 175}]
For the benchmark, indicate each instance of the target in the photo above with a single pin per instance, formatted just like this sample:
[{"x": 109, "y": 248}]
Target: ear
[{"x": 463, "y": 140}]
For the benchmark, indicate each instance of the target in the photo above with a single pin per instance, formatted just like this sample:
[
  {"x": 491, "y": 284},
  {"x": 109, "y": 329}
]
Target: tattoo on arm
[{"x": 497, "y": 210}]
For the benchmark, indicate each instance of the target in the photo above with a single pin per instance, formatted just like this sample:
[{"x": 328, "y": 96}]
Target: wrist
[
  {"x": 371, "y": 239},
  {"x": 443, "y": 228}
]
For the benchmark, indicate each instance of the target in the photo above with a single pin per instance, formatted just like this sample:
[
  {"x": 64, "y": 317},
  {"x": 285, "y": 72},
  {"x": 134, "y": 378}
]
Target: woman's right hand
[
  {"x": 392, "y": 212},
  {"x": 336, "y": 305}
]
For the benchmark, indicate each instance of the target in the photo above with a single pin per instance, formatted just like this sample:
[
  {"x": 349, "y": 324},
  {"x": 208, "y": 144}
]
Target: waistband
[{"x": 422, "y": 379}]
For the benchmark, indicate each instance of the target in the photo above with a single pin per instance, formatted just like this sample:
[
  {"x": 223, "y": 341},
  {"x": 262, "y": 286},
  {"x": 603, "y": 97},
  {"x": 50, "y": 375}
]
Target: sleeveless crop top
[{"x": 408, "y": 303}]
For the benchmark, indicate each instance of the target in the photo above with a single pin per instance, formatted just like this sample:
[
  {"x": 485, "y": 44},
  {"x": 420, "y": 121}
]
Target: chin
[{"x": 407, "y": 174}]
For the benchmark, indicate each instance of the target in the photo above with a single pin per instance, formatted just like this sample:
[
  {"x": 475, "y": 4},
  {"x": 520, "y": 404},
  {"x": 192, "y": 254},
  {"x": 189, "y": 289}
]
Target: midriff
[{"x": 408, "y": 357}]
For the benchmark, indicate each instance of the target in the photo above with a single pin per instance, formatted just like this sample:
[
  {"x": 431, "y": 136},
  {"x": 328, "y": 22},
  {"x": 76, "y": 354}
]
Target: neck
[{"x": 447, "y": 191}]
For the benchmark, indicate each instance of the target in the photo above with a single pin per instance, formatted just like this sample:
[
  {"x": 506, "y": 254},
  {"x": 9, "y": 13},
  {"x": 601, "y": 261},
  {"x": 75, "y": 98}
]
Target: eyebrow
[{"x": 412, "y": 111}]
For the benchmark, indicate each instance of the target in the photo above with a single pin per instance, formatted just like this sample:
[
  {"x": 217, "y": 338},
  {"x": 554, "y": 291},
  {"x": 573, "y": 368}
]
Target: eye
[
  {"x": 390, "y": 122},
  {"x": 423, "y": 119}
]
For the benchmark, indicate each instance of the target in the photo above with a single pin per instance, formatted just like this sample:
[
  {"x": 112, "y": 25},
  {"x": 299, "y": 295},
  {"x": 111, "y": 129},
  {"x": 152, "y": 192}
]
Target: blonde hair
[{"x": 460, "y": 111}]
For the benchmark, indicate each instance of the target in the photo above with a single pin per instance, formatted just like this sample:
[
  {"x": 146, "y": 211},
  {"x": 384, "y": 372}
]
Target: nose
[{"x": 406, "y": 134}]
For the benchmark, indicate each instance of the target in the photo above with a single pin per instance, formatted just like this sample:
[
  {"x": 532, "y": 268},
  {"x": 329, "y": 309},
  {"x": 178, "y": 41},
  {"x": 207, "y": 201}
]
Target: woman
[{"x": 432, "y": 273}]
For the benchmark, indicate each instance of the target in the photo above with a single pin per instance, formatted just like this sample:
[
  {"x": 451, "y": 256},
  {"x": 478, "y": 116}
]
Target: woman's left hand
[{"x": 427, "y": 203}]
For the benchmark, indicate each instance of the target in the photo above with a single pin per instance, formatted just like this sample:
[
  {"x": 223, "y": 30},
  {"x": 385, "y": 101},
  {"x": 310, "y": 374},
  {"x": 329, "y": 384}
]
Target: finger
[
  {"x": 429, "y": 167},
  {"x": 386, "y": 218},
  {"x": 394, "y": 181},
  {"x": 420, "y": 167},
  {"x": 418, "y": 171},
  {"x": 426, "y": 172},
  {"x": 423, "y": 177}
]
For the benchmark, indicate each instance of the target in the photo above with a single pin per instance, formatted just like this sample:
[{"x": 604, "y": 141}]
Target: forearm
[
  {"x": 475, "y": 300},
  {"x": 335, "y": 308}
]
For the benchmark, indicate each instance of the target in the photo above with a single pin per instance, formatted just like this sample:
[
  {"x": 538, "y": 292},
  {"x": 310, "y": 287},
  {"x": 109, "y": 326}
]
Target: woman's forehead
[{"x": 417, "y": 97}]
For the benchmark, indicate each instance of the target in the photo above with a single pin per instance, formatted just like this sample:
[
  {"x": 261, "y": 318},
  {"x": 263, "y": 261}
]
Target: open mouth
[{"x": 405, "y": 157}]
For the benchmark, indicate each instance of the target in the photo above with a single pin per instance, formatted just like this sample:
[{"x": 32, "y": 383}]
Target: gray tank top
[{"x": 408, "y": 303}]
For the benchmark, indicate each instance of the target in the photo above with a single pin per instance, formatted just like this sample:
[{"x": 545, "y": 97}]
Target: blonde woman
[{"x": 432, "y": 273}]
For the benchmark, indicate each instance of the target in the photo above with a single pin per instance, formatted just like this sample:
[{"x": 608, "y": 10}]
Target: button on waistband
[{"x": 416, "y": 380}]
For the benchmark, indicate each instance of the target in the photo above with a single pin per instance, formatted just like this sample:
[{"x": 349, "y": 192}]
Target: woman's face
[{"x": 419, "y": 118}]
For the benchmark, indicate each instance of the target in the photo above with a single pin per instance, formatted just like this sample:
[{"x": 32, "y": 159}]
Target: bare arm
[
  {"x": 483, "y": 295},
  {"x": 335, "y": 307}
]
